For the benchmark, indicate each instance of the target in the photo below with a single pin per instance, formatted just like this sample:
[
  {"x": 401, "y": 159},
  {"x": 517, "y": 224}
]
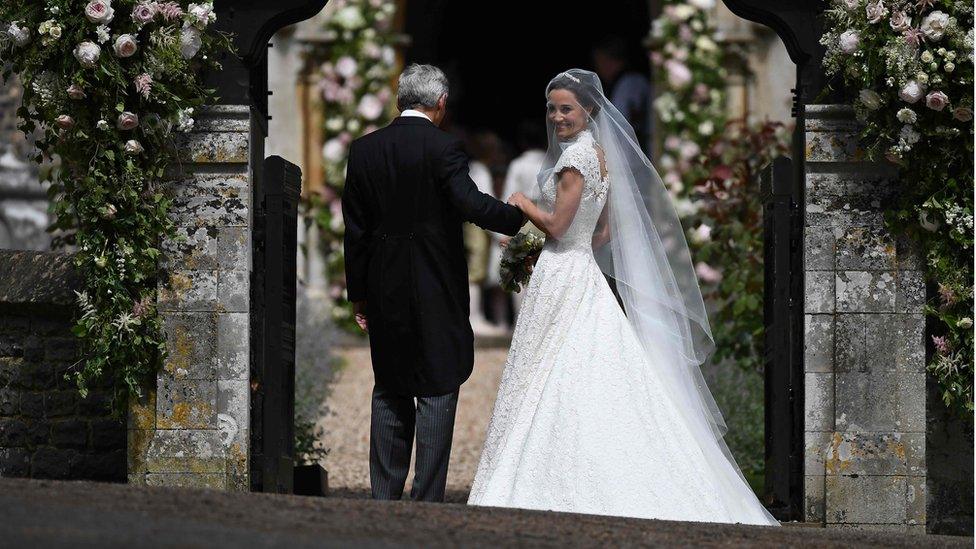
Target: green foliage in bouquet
[
  {"x": 355, "y": 69},
  {"x": 907, "y": 67},
  {"x": 106, "y": 85},
  {"x": 518, "y": 259}
]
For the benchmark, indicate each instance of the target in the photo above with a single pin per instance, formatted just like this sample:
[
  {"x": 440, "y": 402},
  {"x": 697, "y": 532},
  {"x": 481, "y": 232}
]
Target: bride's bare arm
[
  {"x": 601, "y": 235},
  {"x": 569, "y": 192}
]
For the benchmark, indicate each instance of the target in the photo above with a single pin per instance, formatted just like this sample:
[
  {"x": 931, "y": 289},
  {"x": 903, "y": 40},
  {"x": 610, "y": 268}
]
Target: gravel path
[{"x": 347, "y": 423}]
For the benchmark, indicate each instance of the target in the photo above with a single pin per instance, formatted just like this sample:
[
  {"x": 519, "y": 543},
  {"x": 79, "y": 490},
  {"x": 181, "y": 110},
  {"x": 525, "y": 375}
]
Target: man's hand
[{"x": 359, "y": 310}]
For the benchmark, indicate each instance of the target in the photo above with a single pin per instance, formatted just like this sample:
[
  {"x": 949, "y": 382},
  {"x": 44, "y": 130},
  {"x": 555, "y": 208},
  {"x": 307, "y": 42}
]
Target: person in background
[
  {"x": 523, "y": 177},
  {"x": 630, "y": 91},
  {"x": 478, "y": 243}
]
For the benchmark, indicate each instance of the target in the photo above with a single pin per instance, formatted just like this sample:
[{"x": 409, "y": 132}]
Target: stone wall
[
  {"x": 192, "y": 429},
  {"x": 46, "y": 429},
  {"x": 865, "y": 388}
]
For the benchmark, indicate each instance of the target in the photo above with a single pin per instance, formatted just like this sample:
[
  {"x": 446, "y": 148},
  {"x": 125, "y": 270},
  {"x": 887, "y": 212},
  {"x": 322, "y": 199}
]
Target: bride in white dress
[{"x": 602, "y": 410}]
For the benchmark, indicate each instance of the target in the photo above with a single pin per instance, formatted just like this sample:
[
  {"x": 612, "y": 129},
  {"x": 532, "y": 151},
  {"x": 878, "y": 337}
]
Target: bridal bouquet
[{"x": 518, "y": 259}]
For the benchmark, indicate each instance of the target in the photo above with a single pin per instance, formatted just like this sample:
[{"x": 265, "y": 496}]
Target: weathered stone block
[
  {"x": 191, "y": 345},
  {"x": 233, "y": 292},
  {"x": 219, "y": 200},
  {"x": 233, "y": 331},
  {"x": 865, "y": 248},
  {"x": 69, "y": 433},
  {"x": 816, "y": 448},
  {"x": 895, "y": 342},
  {"x": 234, "y": 248},
  {"x": 819, "y": 293},
  {"x": 186, "y": 403},
  {"x": 915, "y": 495},
  {"x": 193, "y": 248},
  {"x": 52, "y": 462},
  {"x": 214, "y": 147},
  {"x": 833, "y": 146},
  {"x": 233, "y": 407},
  {"x": 187, "y": 480},
  {"x": 850, "y": 346},
  {"x": 105, "y": 466},
  {"x": 818, "y": 402},
  {"x": 9, "y": 402},
  {"x": 909, "y": 254},
  {"x": 813, "y": 498},
  {"x": 867, "y": 454},
  {"x": 188, "y": 291},
  {"x": 61, "y": 403},
  {"x": 910, "y": 293},
  {"x": 865, "y": 291},
  {"x": 866, "y": 499},
  {"x": 32, "y": 404},
  {"x": 179, "y": 443},
  {"x": 142, "y": 411},
  {"x": 818, "y": 253},
  {"x": 879, "y": 401},
  {"x": 818, "y": 343},
  {"x": 13, "y": 432},
  {"x": 14, "y": 462}
]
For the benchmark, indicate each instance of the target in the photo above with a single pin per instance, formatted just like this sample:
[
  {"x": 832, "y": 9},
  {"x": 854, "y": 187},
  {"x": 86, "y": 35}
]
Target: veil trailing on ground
[{"x": 648, "y": 258}]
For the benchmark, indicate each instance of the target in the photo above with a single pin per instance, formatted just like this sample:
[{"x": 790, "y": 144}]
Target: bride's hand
[{"x": 517, "y": 199}]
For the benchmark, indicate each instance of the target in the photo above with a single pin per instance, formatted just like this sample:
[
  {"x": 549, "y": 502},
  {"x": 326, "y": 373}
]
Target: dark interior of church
[{"x": 500, "y": 55}]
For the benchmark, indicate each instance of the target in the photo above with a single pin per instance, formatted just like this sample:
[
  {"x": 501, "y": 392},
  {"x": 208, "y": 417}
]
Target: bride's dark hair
[{"x": 567, "y": 82}]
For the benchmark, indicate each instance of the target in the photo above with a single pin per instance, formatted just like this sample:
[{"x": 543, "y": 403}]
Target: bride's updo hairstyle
[{"x": 565, "y": 81}]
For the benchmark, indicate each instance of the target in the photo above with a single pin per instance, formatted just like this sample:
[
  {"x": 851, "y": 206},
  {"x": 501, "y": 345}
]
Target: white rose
[
  {"x": 934, "y": 25},
  {"x": 949, "y": 67},
  {"x": 849, "y": 41},
  {"x": 333, "y": 150},
  {"x": 87, "y": 53},
  {"x": 20, "y": 35},
  {"x": 190, "y": 42},
  {"x": 706, "y": 127},
  {"x": 900, "y": 21},
  {"x": 927, "y": 57},
  {"x": 370, "y": 107},
  {"x": 703, "y": 233},
  {"x": 852, "y": 4},
  {"x": 102, "y": 125},
  {"x": 906, "y": 115},
  {"x": 201, "y": 15},
  {"x": 54, "y": 31},
  {"x": 965, "y": 323},
  {"x": 911, "y": 92},
  {"x": 962, "y": 114},
  {"x": 870, "y": 99},
  {"x": 127, "y": 121},
  {"x": 126, "y": 45},
  {"x": 133, "y": 147},
  {"x": 936, "y": 100},
  {"x": 876, "y": 11},
  {"x": 75, "y": 92},
  {"x": 100, "y": 11}
]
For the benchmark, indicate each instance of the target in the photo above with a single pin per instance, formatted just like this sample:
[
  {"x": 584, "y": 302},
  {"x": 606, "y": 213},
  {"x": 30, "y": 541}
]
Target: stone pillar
[
  {"x": 193, "y": 430},
  {"x": 865, "y": 349}
]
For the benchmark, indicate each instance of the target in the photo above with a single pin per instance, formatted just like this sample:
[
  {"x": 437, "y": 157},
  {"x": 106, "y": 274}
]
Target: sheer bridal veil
[{"x": 648, "y": 258}]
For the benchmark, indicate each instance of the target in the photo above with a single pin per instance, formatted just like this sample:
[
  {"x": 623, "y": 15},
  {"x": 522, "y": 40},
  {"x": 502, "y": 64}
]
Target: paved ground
[
  {"x": 86, "y": 514},
  {"x": 347, "y": 425}
]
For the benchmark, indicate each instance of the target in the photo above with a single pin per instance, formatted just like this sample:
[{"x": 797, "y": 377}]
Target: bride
[{"x": 602, "y": 410}]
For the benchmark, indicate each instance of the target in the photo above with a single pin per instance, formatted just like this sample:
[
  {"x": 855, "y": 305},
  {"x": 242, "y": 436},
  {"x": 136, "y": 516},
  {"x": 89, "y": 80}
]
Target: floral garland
[
  {"x": 908, "y": 67},
  {"x": 105, "y": 85},
  {"x": 354, "y": 81}
]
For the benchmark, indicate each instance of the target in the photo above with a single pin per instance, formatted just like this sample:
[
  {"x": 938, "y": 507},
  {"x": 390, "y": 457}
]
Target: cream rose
[
  {"x": 126, "y": 45},
  {"x": 127, "y": 121},
  {"x": 911, "y": 92},
  {"x": 962, "y": 114},
  {"x": 936, "y": 100},
  {"x": 133, "y": 147},
  {"x": 100, "y": 11},
  {"x": 87, "y": 53},
  {"x": 906, "y": 115},
  {"x": 849, "y": 41},
  {"x": 934, "y": 25}
]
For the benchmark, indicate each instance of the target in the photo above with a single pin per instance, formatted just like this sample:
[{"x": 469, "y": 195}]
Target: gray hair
[{"x": 420, "y": 86}]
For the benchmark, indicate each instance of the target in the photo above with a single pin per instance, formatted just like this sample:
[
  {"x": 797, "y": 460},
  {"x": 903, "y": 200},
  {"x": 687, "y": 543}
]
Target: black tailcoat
[{"x": 406, "y": 196}]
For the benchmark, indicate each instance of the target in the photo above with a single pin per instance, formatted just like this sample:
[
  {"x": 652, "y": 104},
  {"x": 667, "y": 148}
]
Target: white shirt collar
[{"x": 412, "y": 112}]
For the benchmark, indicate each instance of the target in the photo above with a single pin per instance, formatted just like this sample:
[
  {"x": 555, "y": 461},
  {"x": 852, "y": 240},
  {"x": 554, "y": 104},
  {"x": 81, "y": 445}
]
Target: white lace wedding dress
[{"x": 580, "y": 423}]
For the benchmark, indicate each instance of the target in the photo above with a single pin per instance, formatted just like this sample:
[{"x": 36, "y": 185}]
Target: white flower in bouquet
[
  {"x": 64, "y": 121},
  {"x": 20, "y": 35},
  {"x": 681, "y": 12},
  {"x": 190, "y": 42},
  {"x": 346, "y": 66},
  {"x": 849, "y": 41},
  {"x": 965, "y": 323},
  {"x": 936, "y": 100},
  {"x": 87, "y": 53},
  {"x": 702, "y": 4},
  {"x": 870, "y": 99},
  {"x": 909, "y": 135},
  {"x": 962, "y": 114},
  {"x": 127, "y": 121},
  {"x": 372, "y": 50},
  {"x": 906, "y": 116},
  {"x": 100, "y": 11},
  {"x": 144, "y": 12},
  {"x": 934, "y": 25},
  {"x": 143, "y": 84},
  {"x": 126, "y": 45},
  {"x": 922, "y": 78},
  {"x": 370, "y": 107},
  {"x": 103, "y": 125},
  {"x": 101, "y": 33},
  {"x": 50, "y": 28},
  {"x": 201, "y": 15},
  {"x": 679, "y": 75},
  {"x": 689, "y": 149},
  {"x": 349, "y": 17},
  {"x": 333, "y": 150},
  {"x": 900, "y": 21},
  {"x": 876, "y": 11},
  {"x": 133, "y": 147},
  {"x": 911, "y": 92}
]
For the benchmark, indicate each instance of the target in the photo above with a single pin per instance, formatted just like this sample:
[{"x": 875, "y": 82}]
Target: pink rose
[
  {"x": 936, "y": 100},
  {"x": 706, "y": 273},
  {"x": 127, "y": 121},
  {"x": 64, "y": 122},
  {"x": 75, "y": 92},
  {"x": 143, "y": 13},
  {"x": 126, "y": 45},
  {"x": 900, "y": 22},
  {"x": 876, "y": 11},
  {"x": 100, "y": 11},
  {"x": 962, "y": 114},
  {"x": 370, "y": 107},
  {"x": 679, "y": 75}
]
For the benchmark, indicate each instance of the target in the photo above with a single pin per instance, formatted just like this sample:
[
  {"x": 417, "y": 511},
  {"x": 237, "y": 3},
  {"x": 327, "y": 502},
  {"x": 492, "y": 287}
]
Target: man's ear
[{"x": 442, "y": 103}]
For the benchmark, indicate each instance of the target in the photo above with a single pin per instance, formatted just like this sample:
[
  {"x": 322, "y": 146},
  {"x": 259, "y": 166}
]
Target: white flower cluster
[{"x": 960, "y": 218}]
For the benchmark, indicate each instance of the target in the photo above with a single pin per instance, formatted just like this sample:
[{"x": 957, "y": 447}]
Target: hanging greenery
[
  {"x": 907, "y": 67},
  {"x": 106, "y": 85},
  {"x": 355, "y": 68}
]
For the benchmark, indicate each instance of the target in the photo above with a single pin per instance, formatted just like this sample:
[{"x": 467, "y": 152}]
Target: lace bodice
[{"x": 582, "y": 155}]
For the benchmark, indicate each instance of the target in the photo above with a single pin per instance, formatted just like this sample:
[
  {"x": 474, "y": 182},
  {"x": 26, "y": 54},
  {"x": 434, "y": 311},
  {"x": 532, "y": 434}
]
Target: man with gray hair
[{"x": 406, "y": 196}]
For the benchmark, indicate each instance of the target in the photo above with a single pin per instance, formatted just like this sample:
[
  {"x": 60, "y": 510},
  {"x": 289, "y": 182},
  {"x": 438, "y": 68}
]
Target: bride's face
[{"x": 566, "y": 114}]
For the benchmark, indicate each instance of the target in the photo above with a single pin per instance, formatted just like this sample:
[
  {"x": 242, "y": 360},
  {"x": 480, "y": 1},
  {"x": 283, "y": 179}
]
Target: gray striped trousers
[{"x": 393, "y": 421}]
